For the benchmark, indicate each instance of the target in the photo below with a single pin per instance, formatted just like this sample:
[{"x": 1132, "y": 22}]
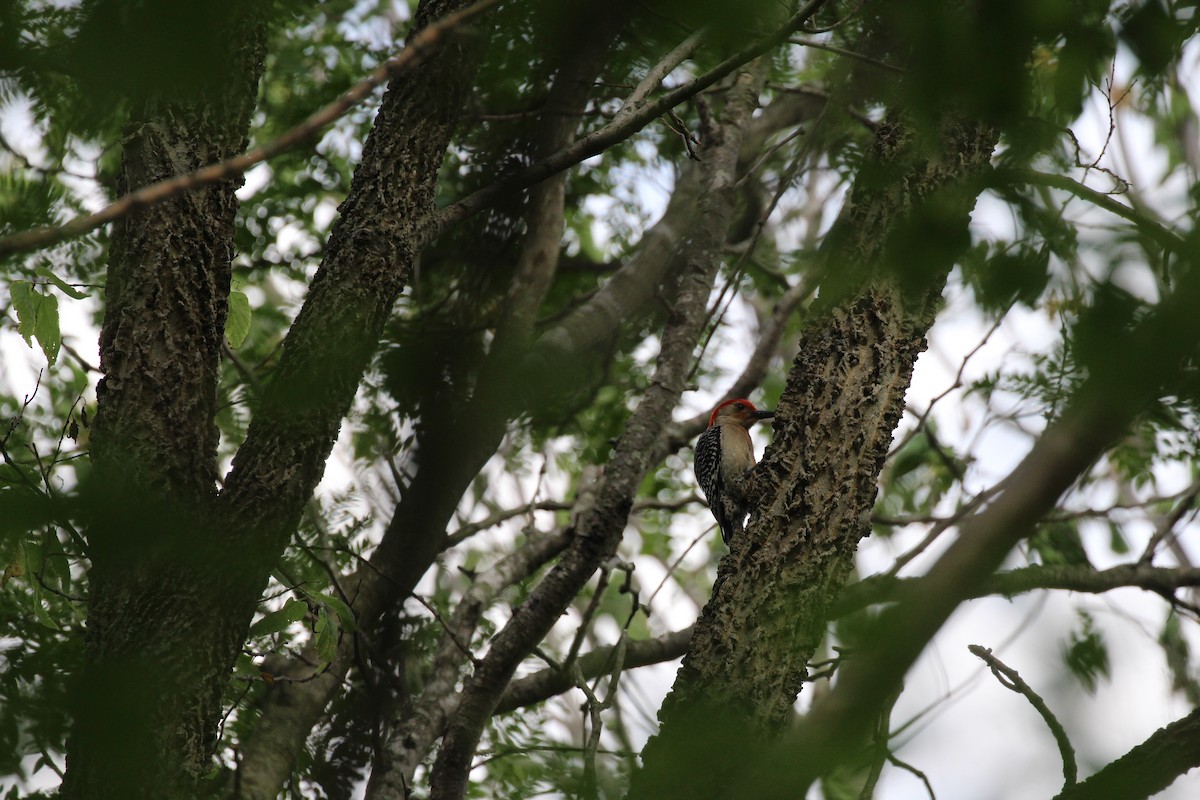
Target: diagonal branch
[
  {"x": 887, "y": 588},
  {"x": 622, "y": 127},
  {"x": 415, "y": 50},
  {"x": 366, "y": 265},
  {"x": 1106, "y": 404},
  {"x": 409, "y": 740},
  {"x": 599, "y": 530},
  {"x": 1167, "y": 238},
  {"x": 550, "y": 682},
  {"x": 1146, "y": 769}
]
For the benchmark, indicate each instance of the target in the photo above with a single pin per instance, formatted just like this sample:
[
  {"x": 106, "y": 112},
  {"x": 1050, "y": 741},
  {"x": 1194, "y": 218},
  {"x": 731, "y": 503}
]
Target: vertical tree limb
[
  {"x": 1117, "y": 390},
  {"x": 145, "y": 718},
  {"x": 367, "y": 263},
  {"x": 767, "y": 613}
]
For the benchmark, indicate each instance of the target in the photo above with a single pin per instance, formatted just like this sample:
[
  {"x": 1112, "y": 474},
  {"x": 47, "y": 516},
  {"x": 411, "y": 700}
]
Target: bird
[{"x": 724, "y": 461}]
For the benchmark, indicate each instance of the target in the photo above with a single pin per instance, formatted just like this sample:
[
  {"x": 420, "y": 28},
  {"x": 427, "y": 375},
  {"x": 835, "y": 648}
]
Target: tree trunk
[
  {"x": 817, "y": 481},
  {"x": 177, "y": 572},
  {"x": 367, "y": 264},
  {"x": 147, "y": 704}
]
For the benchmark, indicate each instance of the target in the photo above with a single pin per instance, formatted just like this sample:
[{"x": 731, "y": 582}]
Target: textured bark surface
[
  {"x": 1143, "y": 367},
  {"x": 368, "y": 261},
  {"x": 146, "y": 709},
  {"x": 1147, "y": 769},
  {"x": 564, "y": 356},
  {"x": 817, "y": 481}
]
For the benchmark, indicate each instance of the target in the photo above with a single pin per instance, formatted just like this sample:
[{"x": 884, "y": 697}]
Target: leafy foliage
[{"x": 1052, "y": 261}]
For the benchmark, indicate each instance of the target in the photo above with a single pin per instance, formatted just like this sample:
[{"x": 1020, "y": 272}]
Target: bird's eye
[{"x": 740, "y": 406}]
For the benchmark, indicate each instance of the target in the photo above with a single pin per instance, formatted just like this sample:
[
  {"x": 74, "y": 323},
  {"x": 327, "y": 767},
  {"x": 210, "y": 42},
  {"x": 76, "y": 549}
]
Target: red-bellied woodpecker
[{"x": 724, "y": 459}]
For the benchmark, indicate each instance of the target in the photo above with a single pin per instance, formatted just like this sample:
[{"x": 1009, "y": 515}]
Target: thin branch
[
  {"x": 759, "y": 362},
  {"x": 621, "y": 128},
  {"x": 416, "y": 49},
  {"x": 588, "y": 614},
  {"x": 659, "y": 72},
  {"x": 904, "y": 765},
  {"x": 547, "y": 683},
  {"x": 451, "y": 634},
  {"x": 829, "y": 48},
  {"x": 1167, "y": 525},
  {"x": 886, "y": 588},
  {"x": 941, "y": 527},
  {"x": 594, "y": 707},
  {"x": 1010, "y": 679},
  {"x": 1169, "y": 239},
  {"x": 923, "y": 417},
  {"x": 469, "y": 529}
]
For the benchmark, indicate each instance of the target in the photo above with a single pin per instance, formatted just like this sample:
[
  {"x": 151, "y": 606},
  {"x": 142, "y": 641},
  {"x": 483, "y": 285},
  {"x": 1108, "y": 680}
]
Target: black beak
[{"x": 763, "y": 414}]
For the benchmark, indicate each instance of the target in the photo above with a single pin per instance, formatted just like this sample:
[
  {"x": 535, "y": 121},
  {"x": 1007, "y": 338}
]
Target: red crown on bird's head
[{"x": 746, "y": 406}]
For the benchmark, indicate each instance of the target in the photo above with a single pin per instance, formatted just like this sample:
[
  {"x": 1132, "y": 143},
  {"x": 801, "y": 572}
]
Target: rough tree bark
[
  {"x": 147, "y": 703},
  {"x": 177, "y": 571},
  {"x": 817, "y": 480},
  {"x": 585, "y": 51},
  {"x": 1143, "y": 362},
  {"x": 368, "y": 261},
  {"x": 1147, "y": 769}
]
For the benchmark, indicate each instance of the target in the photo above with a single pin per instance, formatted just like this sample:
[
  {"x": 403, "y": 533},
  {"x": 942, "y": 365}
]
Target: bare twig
[
  {"x": 1009, "y": 679},
  {"x": 469, "y": 529},
  {"x": 1166, "y": 526},
  {"x": 622, "y": 127},
  {"x": 829, "y": 48},
  {"x": 941, "y": 527},
  {"x": 547, "y": 683},
  {"x": 904, "y": 765}
]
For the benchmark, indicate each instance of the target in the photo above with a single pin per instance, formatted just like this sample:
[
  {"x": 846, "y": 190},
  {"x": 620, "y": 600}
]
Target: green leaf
[
  {"x": 31, "y": 558},
  {"x": 276, "y": 621},
  {"x": 344, "y": 615},
  {"x": 63, "y": 286},
  {"x": 326, "y": 631},
  {"x": 37, "y": 317},
  {"x": 237, "y": 323},
  {"x": 46, "y": 329},
  {"x": 1086, "y": 655},
  {"x": 25, "y": 305},
  {"x": 1116, "y": 539},
  {"x": 1179, "y": 659},
  {"x": 245, "y": 665},
  {"x": 19, "y": 475}
]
